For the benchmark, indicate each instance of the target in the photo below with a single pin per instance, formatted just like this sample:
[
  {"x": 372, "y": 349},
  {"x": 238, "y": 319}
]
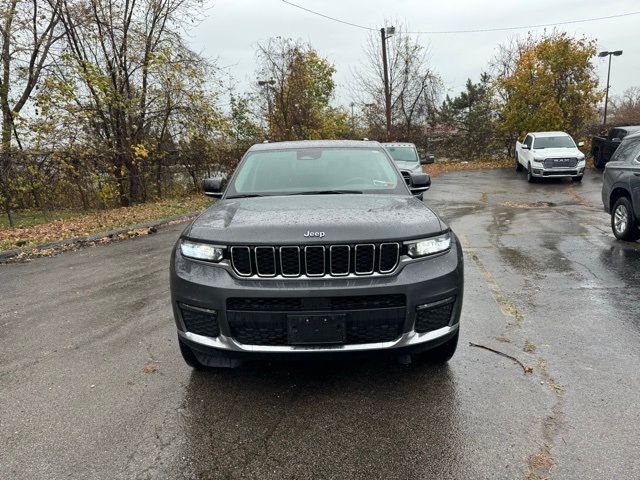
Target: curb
[{"x": 6, "y": 255}]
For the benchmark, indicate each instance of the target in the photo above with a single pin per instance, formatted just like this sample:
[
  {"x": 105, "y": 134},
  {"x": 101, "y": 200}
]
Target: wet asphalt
[{"x": 92, "y": 385}]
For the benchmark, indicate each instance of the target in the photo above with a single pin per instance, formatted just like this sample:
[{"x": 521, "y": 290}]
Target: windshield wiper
[
  {"x": 326, "y": 192},
  {"x": 245, "y": 195}
]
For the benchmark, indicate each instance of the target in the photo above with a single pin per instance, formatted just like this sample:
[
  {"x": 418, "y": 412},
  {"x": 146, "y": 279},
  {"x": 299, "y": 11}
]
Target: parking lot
[{"x": 92, "y": 384}]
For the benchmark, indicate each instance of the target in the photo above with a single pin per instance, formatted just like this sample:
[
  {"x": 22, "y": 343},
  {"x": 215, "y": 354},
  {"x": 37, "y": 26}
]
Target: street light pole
[
  {"x": 616, "y": 53},
  {"x": 387, "y": 91}
]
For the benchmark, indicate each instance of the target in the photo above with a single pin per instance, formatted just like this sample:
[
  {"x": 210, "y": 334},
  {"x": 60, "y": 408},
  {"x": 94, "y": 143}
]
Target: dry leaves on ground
[
  {"x": 99, "y": 221},
  {"x": 439, "y": 168}
]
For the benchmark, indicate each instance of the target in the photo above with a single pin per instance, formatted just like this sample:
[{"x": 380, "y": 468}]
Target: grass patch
[{"x": 35, "y": 228}]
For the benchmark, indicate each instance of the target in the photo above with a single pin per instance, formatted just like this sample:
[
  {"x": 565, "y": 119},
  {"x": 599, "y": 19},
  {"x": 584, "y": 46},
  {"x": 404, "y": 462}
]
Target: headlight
[
  {"x": 429, "y": 246},
  {"x": 201, "y": 251},
  {"x": 539, "y": 160}
]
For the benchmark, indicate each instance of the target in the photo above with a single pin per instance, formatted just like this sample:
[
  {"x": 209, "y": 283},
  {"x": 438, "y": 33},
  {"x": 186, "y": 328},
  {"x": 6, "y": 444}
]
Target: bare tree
[
  {"x": 28, "y": 30},
  {"x": 120, "y": 52},
  {"x": 625, "y": 109},
  {"x": 414, "y": 86}
]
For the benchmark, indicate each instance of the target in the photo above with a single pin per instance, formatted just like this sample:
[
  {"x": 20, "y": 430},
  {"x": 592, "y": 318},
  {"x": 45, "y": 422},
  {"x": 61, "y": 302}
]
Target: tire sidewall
[{"x": 628, "y": 233}]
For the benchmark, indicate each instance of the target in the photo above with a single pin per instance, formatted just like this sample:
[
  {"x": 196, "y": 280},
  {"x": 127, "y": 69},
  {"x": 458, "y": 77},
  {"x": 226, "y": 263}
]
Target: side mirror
[
  {"x": 430, "y": 158},
  {"x": 213, "y": 187},
  {"x": 420, "y": 183},
  {"x": 581, "y": 144},
  {"x": 524, "y": 146}
]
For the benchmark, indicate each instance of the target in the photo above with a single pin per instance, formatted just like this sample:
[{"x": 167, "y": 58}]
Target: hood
[
  {"x": 409, "y": 166},
  {"x": 557, "y": 152},
  {"x": 342, "y": 218}
]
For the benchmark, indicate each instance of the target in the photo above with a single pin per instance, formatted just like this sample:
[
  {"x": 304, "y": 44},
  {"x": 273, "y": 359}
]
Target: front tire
[
  {"x": 440, "y": 354},
  {"x": 623, "y": 221},
  {"x": 530, "y": 177},
  {"x": 518, "y": 164},
  {"x": 189, "y": 357},
  {"x": 577, "y": 179},
  {"x": 597, "y": 160}
]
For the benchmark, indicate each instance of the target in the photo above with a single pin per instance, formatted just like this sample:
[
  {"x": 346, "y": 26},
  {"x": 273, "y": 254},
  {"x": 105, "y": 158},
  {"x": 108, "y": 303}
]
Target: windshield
[
  {"x": 563, "y": 141},
  {"x": 316, "y": 170},
  {"x": 403, "y": 154}
]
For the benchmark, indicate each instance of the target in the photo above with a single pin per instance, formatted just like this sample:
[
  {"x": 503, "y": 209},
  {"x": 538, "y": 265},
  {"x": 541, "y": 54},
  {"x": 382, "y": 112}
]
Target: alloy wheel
[{"x": 620, "y": 219}]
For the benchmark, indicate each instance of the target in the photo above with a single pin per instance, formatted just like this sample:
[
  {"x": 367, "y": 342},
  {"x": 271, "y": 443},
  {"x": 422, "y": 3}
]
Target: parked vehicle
[
  {"x": 406, "y": 157},
  {"x": 549, "y": 154},
  {"x": 621, "y": 189},
  {"x": 316, "y": 248},
  {"x": 602, "y": 148}
]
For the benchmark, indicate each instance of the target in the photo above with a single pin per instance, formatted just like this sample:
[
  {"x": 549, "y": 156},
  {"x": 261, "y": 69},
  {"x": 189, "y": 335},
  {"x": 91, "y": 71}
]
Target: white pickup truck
[{"x": 550, "y": 154}]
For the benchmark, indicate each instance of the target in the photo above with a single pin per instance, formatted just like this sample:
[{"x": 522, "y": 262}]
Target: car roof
[
  {"x": 633, "y": 136},
  {"x": 398, "y": 144},
  {"x": 629, "y": 128},
  {"x": 549, "y": 134},
  {"x": 314, "y": 144}
]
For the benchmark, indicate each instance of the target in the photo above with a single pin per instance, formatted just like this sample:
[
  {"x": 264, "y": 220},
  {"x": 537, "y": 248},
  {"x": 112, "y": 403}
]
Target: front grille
[
  {"x": 560, "y": 162},
  {"x": 309, "y": 304},
  {"x": 407, "y": 177},
  {"x": 435, "y": 315},
  {"x": 368, "y": 318},
  {"x": 315, "y": 260},
  {"x": 199, "y": 320}
]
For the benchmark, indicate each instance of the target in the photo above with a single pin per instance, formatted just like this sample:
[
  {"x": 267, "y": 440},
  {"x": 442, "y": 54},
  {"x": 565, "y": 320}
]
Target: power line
[
  {"x": 475, "y": 30},
  {"x": 328, "y": 17}
]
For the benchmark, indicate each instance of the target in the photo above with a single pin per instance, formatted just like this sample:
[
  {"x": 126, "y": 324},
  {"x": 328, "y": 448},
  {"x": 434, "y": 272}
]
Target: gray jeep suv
[
  {"x": 316, "y": 248},
  {"x": 621, "y": 189}
]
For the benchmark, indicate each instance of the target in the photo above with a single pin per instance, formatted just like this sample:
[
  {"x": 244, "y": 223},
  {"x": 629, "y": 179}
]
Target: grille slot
[
  {"x": 389, "y": 255},
  {"x": 290, "y": 261},
  {"x": 340, "y": 260},
  {"x": 265, "y": 261},
  {"x": 315, "y": 260},
  {"x": 407, "y": 177},
  {"x": 365, "y": 259},
  {"x": 241, "y": 260}
]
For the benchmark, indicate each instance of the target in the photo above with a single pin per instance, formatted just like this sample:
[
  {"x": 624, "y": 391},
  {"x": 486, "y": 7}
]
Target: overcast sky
[{"x": 231, "y": 29}]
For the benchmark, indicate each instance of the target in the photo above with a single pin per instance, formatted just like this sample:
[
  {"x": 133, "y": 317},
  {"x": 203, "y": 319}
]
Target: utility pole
[
  {"x": 385, "y": 68},
  {"x": 267, "y": 84},
  {"x": 617, "y": 53}
]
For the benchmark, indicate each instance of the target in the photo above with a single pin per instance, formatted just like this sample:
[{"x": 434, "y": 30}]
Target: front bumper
[
  {"x": 427, "y": 281},
  {"x": 542, "y": 172}
]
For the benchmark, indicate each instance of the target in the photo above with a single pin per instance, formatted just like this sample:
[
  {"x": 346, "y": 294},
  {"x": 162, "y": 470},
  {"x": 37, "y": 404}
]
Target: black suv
[
  {"x": 316, "y": 248},
  {"x": 621, "y": 189}
]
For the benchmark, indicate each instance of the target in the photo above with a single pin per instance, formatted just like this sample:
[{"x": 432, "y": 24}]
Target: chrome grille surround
[{"x": 315, "y": 261}]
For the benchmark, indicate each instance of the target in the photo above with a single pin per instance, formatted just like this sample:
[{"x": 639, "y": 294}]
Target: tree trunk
[{"x": 5, "y": 164}]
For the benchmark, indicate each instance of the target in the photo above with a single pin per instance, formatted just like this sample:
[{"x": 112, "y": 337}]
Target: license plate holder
[{"x": 316, "y": 329}]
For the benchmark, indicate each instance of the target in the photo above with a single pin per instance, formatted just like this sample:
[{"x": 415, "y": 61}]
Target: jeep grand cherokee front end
[{"x": 316, "y": 248}]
